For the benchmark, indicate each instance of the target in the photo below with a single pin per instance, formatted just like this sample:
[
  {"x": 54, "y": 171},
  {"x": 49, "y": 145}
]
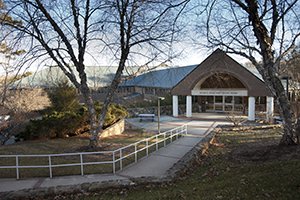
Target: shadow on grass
[{"x": 239, "y": 165}]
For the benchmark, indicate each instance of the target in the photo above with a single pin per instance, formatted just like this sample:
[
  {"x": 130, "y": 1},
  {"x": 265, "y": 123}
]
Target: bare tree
[
  {"x": 11, "y": 72},
  {"x": 66, "y": 30},
  {"x": 261, "y": 31},
  {"x": 8, "y": 54}
]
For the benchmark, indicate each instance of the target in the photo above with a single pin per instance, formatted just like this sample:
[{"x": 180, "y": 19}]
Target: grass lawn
[
  {"x": 67, "y": 145},
  {"x": 240, "y": 165},
  {"x": 72, "y": 144}
]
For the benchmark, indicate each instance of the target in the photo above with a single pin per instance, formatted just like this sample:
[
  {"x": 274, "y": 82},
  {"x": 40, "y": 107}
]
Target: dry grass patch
[
  {"x": 61, "y": 146},
  {"x": 240, "y": 165}
]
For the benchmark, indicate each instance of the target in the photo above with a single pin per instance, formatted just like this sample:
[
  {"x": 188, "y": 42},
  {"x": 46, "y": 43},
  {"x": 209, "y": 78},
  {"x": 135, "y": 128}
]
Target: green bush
[
  {"x": 66, "y": 117},
  {"x": 115, "y": 113},
  {"x": 69, "y": 123},
  {"x": 55, "y": 125},
  {"x": 63, "y": 97}
]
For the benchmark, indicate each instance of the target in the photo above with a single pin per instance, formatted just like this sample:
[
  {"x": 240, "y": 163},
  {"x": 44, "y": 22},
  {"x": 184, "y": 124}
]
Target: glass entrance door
[
  {"x": 218, "y": 104},
  {"x": 229, "y": 103},
  {"x": 223, "y": 103}
]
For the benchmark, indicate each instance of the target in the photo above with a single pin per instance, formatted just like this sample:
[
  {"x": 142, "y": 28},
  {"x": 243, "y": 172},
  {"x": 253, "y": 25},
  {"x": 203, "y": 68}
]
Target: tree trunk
[
  {"x": 297, "y": 130},
  {"x": 275, "y": 85},
  {"x": 268, "y": 70},
  {"x": 125, "y": 35},
  {"x": 285, "y": 113},
  {"x": 110, "y": 93},
  {"x": 94, "y": 141}
]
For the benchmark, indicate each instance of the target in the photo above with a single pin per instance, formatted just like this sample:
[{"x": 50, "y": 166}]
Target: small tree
[{"x": 235, "y": 117}]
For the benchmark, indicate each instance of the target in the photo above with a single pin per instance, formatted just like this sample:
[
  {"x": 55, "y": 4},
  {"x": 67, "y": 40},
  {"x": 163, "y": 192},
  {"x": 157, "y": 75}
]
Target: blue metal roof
[
  {"x": 168, "y": 78},
  {"x": 100, "y": 76},
  {"x": 165, "y": 78}
]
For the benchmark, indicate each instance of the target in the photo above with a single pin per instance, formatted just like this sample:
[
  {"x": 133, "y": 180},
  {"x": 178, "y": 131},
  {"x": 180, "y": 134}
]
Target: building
[
  {"x": 218, "y": 84},
  {"x": 157, "y": 82},
  {"x": 222, "y": 84}
]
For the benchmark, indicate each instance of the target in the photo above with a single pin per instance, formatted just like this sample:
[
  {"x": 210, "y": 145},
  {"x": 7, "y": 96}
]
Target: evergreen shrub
[{"x": 66, "y": 117}]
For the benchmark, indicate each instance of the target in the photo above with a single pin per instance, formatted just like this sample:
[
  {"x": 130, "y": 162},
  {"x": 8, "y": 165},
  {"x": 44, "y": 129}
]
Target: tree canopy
[{"x": 64, "y": 32}]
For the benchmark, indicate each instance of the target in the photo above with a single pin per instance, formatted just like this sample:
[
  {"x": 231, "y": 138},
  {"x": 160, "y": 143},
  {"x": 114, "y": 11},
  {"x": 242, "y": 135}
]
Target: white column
[
  {"x": 188, "y": 106},
  {"x": 251, "y": 108},
  {"x": 270, "y": 109},
  {"x": 175, "y": 105}
]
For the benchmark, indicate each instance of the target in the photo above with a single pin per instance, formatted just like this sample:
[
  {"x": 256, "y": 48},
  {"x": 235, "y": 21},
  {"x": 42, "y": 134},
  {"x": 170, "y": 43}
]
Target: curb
[
  {"x": 246, "y": 128},
  {"x": 185, "y": 164}
]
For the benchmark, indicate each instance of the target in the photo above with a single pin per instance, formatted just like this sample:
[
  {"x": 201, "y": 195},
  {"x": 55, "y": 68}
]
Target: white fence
[{"x": 114, "y": 158}]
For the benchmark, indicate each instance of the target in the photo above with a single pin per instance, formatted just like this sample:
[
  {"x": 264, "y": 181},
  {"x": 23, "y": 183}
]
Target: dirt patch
[
  {"x": 103, "y": 147},
  {"x": 264, "y": 151},
  {"x": 113, "y": 142}
]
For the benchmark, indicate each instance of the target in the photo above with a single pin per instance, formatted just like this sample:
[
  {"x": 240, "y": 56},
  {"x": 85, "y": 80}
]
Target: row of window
[{"x": 144, "y": 90}]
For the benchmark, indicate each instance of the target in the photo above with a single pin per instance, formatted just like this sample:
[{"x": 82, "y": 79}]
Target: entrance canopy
[
  {"x": 221, "y": 84},
  {"x": 220, "y": 75}
]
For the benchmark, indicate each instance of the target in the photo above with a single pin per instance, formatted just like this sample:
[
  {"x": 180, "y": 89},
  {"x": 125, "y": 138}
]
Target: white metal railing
[{"x": 116, "y": 157}]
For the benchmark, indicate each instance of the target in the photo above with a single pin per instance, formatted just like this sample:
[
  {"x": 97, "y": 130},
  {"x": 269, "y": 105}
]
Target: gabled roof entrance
[{"x": 219, "y": 72}]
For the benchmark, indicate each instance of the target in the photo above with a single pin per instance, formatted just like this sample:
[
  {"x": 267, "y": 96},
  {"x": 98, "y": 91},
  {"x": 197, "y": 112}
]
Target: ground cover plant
[{"x": 239, "y": 165}]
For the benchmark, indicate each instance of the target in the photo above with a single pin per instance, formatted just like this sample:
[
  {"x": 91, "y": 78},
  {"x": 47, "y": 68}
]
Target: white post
[
  {"x": 17, "y": 167},
  {"x": 50, "y": 166},
  {"x": 156, "y": 138},
  {"x": 175, "y": 105},
  {"x": 81, "y": 164},
  {"x": 147, "y": 147},
  {"x": 121, "y": 157},
  {"x": 114, "y": 163},
  {"x": 270, "y": 109},
  {"x": 251, "y": 108},
  {"x": 135, "y": 152},
  {"x": 188, "y": 106}
]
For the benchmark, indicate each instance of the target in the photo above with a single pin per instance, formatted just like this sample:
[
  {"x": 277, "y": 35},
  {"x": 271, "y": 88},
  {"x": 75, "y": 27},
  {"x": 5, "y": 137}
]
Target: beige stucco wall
[{"x": 116, "y": 129}]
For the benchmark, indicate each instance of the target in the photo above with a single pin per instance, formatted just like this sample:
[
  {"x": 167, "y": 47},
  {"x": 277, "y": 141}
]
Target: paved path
[{"x": 155, "y": 165}]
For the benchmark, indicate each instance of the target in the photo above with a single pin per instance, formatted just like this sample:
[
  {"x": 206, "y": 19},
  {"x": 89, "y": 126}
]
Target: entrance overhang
[
  {"x": 220, "y": 63},
  {"x": 219, "y": 92},
  {"x": 243, "y": 83}
]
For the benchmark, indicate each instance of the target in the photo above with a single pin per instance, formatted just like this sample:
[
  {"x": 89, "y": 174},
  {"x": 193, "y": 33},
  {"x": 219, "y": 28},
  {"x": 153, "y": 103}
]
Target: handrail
[
  {"x": 57, "y": 155},
  {"x": 117, "y": 156}
]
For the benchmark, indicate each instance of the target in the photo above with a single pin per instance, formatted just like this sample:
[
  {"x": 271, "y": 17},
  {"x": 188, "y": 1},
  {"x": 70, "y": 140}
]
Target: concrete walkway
[{"x": 155, "y": 165}]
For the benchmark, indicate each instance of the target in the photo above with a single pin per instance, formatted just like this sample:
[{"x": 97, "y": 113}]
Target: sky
[
  {"x": 189, "y": 56},
  {"x": 191, "y": 52}
]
